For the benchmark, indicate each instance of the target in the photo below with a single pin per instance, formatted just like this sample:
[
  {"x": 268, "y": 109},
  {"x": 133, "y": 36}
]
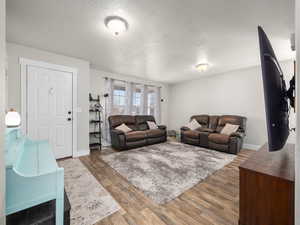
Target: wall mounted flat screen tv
[{"x": 277, "y": 97}]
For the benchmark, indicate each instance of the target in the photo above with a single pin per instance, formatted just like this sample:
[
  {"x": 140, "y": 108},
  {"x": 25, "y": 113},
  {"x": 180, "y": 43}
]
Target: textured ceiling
[{"x": 166, "y": 38}]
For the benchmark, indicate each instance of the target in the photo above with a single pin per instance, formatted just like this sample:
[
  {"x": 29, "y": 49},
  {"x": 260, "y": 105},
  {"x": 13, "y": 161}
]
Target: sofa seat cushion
[
  {"x": 135, "y": 135},
  {"x": 219, "y": 138},
  {"x": 153, "y": 133},
  {"x": 192, "y": 134}
]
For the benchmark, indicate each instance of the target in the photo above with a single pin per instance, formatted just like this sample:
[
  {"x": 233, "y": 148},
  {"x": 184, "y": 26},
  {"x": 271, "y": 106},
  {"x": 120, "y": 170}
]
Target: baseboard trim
[
  {"x": 81, "y": 153},
  {"x": 251, "y": 146}
]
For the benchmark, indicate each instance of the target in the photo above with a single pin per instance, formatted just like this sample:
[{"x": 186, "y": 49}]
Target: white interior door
[{"x": 49, "y": 108}]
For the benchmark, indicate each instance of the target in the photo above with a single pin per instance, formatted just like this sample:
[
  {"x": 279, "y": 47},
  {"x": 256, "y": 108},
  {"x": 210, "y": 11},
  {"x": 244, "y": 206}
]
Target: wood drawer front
[{"x": 265, "y": 200}]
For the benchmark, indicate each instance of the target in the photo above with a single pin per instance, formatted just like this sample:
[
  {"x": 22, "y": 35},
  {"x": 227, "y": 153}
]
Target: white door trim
[{"x": 24, "y": 63}]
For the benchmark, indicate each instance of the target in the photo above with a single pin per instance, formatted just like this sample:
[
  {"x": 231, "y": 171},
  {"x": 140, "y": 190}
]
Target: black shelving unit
[{"x": 95, "y": 121}]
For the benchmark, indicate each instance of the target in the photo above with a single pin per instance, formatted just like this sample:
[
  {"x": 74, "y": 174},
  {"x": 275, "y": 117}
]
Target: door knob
[
  {"x": 69, "y": 112},
  {"x": 69, "y": 119}
]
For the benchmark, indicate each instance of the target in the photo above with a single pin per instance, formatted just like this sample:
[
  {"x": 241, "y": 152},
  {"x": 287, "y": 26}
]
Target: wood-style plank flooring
[{"x": 214, "y": 201}]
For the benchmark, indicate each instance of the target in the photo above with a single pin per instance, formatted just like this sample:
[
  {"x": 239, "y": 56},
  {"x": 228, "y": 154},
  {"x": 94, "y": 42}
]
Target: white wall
[
  {"x": 15, "y": 51},
  {"x": 238, "y": 92},
  {"x": 2, "y": 107},
  {"x": 97, "y": 87}
]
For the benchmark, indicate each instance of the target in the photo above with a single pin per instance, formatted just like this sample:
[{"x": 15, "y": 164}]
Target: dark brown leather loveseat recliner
[
  {"x": 209, "y": 136},
  {"x": 140, "y": 136}
]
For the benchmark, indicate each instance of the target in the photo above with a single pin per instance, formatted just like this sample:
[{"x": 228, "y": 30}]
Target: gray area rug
[
  {"x": 90, "y": 202},
  {"x": 164, "y": 171}
]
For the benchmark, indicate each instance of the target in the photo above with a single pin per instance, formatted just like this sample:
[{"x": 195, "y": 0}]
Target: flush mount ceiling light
[
  {"x": 202, "y": 67},
  {"x": 116, "y": 24}
]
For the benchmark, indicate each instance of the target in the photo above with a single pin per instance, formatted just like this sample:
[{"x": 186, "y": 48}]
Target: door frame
[{"x": 24, "y": 63}]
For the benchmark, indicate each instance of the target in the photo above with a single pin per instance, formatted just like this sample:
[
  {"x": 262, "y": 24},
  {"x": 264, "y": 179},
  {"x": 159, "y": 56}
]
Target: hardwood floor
[{"x": 214, "y": 201}]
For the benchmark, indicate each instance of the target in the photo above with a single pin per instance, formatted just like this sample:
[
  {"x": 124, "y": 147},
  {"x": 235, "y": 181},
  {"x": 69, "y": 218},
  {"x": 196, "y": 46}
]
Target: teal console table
[{"x": 32, "y": 175}]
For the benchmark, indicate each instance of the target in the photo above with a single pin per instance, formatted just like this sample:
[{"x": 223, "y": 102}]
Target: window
[
  {"x": 120, "y": 104},
  {"x": 151, "y": 103},
  {"x": 136, "y": 103},
  {"x": 119, "y": 100}
]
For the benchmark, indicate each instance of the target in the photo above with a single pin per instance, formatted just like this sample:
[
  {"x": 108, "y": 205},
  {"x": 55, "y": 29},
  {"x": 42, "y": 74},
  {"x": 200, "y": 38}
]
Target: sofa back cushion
[
  {"x": 203, "y": 120},
  {"x": 117, "y": 120},
  {"x": 213, "y": 122},
  {"x": 236, "y": 120},
  {"x": 141, "y": 121}
]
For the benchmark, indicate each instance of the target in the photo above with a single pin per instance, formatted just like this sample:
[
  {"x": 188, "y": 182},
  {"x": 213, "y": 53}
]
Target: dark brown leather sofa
[
  {"x": 140, "y": 136},
  {"x": 209, "y": 136}
]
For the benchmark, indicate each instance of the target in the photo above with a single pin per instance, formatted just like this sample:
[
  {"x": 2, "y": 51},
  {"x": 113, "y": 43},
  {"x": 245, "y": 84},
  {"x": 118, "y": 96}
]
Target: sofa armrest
[
  {"x": 235, "y": 144},
  {"x": 237, "y": 134},
  {"x": 118, "y": 132},
  {"x": 118, "y": 140},
  {"x": 184, "y": 128},
  {"x": 162, "y": 127}
]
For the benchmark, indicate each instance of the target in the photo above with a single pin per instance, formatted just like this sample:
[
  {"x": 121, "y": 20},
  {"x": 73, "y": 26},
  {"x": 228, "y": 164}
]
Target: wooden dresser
[{"x": 267, "y": 182}]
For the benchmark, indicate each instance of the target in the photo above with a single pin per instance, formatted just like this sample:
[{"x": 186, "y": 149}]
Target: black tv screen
[{"x": 276, "y": 100}]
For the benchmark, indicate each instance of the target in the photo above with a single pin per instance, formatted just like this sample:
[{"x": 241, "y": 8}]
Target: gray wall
[
  {"x": 2, "y": 108},
  {"x": 238, "y": 92},
  {"x": 15, "y": 51}
]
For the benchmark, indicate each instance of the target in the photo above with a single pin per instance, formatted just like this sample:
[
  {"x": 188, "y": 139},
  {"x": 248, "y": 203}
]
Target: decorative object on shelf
[
  {"x": 12, "y": 118},
  {"x": 95, "y": 134}
]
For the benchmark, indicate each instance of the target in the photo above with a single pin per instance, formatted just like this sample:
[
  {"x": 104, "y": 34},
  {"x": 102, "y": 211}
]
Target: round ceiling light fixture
[
  {"x": 116, "y": 24},
  {"x": 202, "y": 67}
]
